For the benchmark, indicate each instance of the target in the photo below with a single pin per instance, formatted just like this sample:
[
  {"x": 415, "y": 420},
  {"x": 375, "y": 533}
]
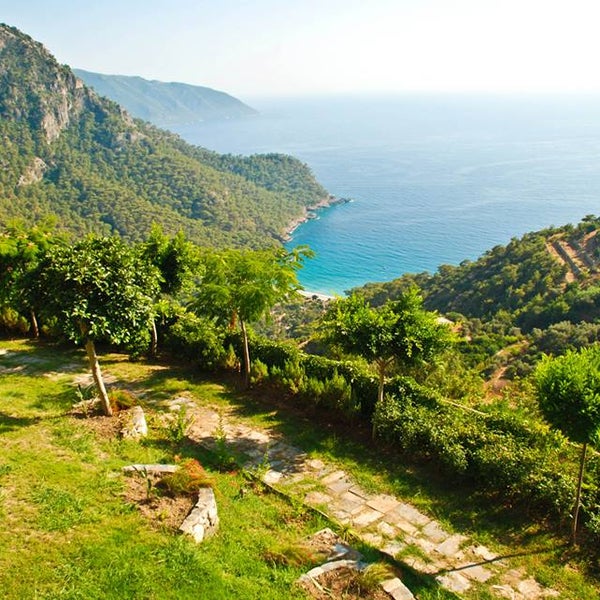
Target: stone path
[{"x": 388, "y": 523}]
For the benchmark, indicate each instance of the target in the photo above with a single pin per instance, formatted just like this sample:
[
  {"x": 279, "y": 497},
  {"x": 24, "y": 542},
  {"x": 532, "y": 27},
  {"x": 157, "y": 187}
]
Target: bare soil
[
  {"x": 345, "y": 584},
  {"x": 161, "y": 510}
]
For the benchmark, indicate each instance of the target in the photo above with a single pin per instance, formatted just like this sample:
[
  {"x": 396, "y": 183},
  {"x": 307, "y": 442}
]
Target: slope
[
  {"x": 542, "y": 278},
  {"x": 70, "y": 153},
  {"x": 164, "y": 103}
]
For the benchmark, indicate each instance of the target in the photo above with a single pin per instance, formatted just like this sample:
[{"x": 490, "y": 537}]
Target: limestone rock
[
  {"x": 203, "y": 520},
  {"x": 154, "y": 469},
  {"x": 135, "y": 426}
]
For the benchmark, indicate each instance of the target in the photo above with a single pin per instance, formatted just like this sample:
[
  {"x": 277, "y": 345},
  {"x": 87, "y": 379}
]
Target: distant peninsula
[{"x": 166, "y": 104}]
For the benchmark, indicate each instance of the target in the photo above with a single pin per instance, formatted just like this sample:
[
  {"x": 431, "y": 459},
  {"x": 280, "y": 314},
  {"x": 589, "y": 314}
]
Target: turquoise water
[{"x": 434, "y": 179}]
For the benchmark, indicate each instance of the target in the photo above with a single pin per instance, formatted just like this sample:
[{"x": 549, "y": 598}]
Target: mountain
[
  {"x": 165, "y": 104},
  {"x": 70, "y": 153}
]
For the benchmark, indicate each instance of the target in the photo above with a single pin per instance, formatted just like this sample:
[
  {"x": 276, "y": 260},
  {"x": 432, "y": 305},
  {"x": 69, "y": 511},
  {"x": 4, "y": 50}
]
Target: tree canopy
[
  {"x": 98, "y": 289},
  {"x": 400, "y": 332},
  {"x": 243, "y": 285},
  {"x": 568, "y": 390}
]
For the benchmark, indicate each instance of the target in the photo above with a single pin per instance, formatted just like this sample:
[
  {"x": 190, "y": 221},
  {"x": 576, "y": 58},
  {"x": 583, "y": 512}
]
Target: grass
[{"x": 68, "y": 532}]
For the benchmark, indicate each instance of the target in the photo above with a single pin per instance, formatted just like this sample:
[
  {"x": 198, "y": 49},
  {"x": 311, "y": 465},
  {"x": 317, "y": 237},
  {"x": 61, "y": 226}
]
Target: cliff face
[{"x": 34, "y": 87}]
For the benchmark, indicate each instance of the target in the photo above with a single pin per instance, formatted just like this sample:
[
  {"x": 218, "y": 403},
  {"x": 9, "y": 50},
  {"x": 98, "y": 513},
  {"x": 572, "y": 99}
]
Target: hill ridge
[{"x": 165, "y": 103}]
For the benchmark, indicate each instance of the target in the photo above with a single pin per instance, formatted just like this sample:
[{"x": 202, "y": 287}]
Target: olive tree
[
  {"x": 568, "y": 390},
  {"x": 99, "y": 289}
]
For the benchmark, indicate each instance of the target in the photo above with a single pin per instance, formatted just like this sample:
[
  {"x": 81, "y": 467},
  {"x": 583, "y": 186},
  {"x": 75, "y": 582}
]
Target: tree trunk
[
  {"x": 246, "y": 354},
  {"x": 381, "y": 368},
  {"x": 97, "y": 375},
  {"x": 154, "y": 339},
  {"x": 578, "y": 495},
  {"x": 34, "y": 325}
]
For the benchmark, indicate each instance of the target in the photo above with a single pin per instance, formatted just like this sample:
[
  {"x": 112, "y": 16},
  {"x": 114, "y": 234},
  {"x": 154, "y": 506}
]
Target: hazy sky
[{"x": 263, "y": 47}]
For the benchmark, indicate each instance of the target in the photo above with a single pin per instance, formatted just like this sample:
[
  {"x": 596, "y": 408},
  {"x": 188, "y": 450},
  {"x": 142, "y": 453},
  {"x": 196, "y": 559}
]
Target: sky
[{"x": 298, "y": 47}]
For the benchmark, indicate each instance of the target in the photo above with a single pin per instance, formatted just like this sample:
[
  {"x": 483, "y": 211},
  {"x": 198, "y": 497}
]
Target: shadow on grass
[
  {"x": 10, "y": 423},
  {"x": 349, "y": 441}
]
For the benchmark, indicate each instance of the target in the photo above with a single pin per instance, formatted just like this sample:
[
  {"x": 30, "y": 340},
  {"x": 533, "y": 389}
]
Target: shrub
[
  {"x": 121, "y": 399},
  {"x": 198, "y": 340},
  {"x": 517, "y": 461},
  {"x": 258, "y": 372}
]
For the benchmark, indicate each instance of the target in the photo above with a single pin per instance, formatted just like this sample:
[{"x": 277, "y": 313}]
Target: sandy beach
[{"x": 309, "y": 294}]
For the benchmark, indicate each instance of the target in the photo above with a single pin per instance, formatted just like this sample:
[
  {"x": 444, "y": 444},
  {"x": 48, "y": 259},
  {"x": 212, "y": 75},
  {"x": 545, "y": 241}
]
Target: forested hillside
[
  {"x": 70, "y": 153},
  {"x": 542, "y": 278},
  {"x": 164, "y": 103}
]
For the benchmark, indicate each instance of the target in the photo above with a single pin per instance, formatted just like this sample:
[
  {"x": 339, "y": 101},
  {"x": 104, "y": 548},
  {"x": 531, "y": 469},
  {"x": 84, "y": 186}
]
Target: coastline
[
  {"x": 310, "y": 212},
  {"x": 311, "y": 295}
]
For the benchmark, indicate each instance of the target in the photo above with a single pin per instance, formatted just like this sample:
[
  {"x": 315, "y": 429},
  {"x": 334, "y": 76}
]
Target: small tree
[
  {"x": 568, "y": 389},
  {"x": 400, "y": 332},
  {"x": 98, "y": 289},
  {"x": 244, "y": 285},
  {"x": 175, "y": 258},
  {"x": 21, "y": 250}
]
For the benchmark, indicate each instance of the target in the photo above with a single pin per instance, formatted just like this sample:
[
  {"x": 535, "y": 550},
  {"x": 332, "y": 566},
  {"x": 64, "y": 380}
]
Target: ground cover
[{"x": 71, "y": 531}]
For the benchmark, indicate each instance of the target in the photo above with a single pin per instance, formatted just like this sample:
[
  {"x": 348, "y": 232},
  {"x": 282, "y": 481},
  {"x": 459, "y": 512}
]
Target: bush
[
  {"x": 121, "y": 399},
  {"x": 198, "y": 340},
  {"x": 497, "y": 454}
]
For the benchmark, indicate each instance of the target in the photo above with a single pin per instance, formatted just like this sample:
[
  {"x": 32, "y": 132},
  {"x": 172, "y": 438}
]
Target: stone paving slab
[
  {"x": 397, "y": 590},
  {"x": 366, "y": 517},
  {"x": 455, "y": 582},
  {"x": 477, "y": 573},
  {"x": 411, "y": 514},
  {"x": 382, "y": 520},
  {"x": 451, "y": 546},
  {"x": 383, "y": 503}
]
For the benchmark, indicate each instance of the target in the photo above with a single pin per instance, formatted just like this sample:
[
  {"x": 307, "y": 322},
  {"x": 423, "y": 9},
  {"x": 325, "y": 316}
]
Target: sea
[{"x": 433, "y": 178}]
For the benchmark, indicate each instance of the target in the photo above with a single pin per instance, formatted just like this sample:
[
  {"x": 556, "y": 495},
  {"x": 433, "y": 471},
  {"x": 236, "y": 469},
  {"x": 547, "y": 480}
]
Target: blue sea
[{"x": 434, "y": 179}]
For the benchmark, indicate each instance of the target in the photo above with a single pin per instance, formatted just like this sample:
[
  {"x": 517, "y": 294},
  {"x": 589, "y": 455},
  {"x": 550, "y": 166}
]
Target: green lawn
[{"x": 67, "y": 532}]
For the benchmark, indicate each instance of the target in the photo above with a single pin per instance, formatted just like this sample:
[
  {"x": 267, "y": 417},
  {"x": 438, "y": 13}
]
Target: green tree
[
  {"x": 21, "y": 250},
  {"x": 99, "y": 289},
  {"x": 175, "y": 258},
  {"x": 568, "y": 389},
  {"x": 244, "y": 285},
  {"x": 400, "y": 332}
]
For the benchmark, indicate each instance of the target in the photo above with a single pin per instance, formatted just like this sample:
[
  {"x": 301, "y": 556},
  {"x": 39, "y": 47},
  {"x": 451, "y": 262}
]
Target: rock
[
  {"x": 135, "y": 426},
  {"x": 203, "y": 520},
  {"x": 397, "y": 590},
  {"x": 158, "y": 469}
]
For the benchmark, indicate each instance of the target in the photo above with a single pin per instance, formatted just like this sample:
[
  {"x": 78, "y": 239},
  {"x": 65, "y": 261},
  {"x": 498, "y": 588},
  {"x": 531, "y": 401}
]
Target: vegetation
[
  {"x": 399, "y": 332},
  {"x": 244, "y": 285},
  {"x": 98, "y": 289},
  {"x": 569, "y": 393},
  {"x": 165, "y": 104},
  {"x": 70, "y": 527},
  {"x": 69, "y": 153}
]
